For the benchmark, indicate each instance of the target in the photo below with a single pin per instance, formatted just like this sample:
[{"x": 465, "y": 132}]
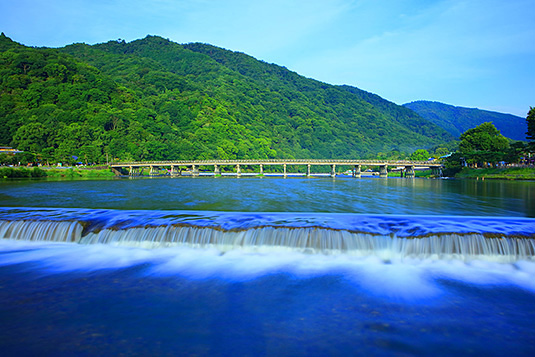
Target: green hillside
[
  {"x": 153, "y": 99},
  {"x": 457, "y": 120}
]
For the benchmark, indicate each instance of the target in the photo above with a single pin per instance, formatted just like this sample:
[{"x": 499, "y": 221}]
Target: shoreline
[
  {"x": 509, "y": 173},
  {"x": 7, "y": 172}
]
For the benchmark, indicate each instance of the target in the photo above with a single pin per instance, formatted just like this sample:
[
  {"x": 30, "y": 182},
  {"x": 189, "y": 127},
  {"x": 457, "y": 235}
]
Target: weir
[
  {"x": 313, "y": 240},
  {"x": 41, "y": 231}
]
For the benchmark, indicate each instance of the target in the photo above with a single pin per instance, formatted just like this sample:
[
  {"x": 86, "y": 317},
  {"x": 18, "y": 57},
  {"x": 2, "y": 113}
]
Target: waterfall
[
  {"x": 312, "y": 240},
  {"x": 323, "y": 241},
  {"x": 49, "y": 231}
]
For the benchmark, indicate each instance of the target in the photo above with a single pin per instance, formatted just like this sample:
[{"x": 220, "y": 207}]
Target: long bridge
[{"x": 191, "y": 167}]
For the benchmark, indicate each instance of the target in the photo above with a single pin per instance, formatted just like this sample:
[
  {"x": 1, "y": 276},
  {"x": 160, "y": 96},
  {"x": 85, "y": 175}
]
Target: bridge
[{"x": 191, "y": 167}]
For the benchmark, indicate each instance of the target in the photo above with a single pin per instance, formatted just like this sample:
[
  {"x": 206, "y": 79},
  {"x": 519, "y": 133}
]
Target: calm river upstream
[{"x": 267, "y": 266}]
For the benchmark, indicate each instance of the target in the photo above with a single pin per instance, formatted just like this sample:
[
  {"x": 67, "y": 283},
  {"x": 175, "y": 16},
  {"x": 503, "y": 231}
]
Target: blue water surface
[{"x": 70, "y": 299}]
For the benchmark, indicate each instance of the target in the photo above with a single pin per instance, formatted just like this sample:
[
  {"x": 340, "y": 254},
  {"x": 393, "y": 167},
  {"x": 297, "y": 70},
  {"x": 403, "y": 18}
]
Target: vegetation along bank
[{"x": 153, "y": 99}]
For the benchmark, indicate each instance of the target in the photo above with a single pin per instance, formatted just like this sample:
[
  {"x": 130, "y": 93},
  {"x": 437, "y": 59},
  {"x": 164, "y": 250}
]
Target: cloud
[{"x": 447, "y": 50}]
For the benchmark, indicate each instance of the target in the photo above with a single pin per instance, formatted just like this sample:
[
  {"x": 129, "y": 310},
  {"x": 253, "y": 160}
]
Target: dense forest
[
  {"x": 457, "y": 120},
  {"x": 153, "y": 99}
]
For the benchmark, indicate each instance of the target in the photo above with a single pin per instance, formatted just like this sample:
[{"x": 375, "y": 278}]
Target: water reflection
[{"x": 252, "y": 194}]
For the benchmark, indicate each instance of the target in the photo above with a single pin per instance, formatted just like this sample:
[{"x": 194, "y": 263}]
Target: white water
[
  {"x": 401, "y": 279},
  {"x": 41, "y": 231},
  {"x": 376, "y": 253},
  {"x": 310, "y": 240},
  {"x": 324, "y": 241}
]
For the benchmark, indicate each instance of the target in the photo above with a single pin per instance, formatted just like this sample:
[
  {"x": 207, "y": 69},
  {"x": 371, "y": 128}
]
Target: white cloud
[
  {"x": 451, "y": 51},
  {"x": 403, "y": 50}
]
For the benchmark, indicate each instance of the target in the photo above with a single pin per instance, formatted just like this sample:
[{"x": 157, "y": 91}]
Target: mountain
[
  {"x": 153, "y": 99},
  {"x": 456, "y": 120}
]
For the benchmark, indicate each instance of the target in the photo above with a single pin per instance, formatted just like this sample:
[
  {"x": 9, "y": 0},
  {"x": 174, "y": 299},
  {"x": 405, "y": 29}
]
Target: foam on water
[
  {"x": 404, "y": 280},
  {"x": 387, "y": 237},
  {"x": 398, "y": 257}
]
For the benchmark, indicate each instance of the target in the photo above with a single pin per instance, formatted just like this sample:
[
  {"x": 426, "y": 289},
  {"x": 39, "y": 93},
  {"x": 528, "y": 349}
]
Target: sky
[{"x": 472, "y": 53}]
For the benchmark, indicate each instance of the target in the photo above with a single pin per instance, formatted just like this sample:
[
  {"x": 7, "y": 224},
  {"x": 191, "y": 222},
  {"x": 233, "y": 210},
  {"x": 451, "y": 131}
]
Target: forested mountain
[
  {"x": 153, "y": 99},
  {"x": 457, "y": 120}
]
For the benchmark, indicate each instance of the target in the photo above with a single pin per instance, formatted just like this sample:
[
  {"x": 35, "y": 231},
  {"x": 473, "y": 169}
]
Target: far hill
[
  {"x": 153, "y": 99},
  {"x": 456, "y": 120}
]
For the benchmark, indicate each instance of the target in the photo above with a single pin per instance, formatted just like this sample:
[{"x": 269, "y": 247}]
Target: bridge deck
[
  {"x": 279, "y": 162},
  {"x": 407, "y": 166}
]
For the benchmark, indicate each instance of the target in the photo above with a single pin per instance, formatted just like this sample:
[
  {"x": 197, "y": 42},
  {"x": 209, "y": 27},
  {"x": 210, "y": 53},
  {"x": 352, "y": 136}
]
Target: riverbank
[
  {"x": 514, "y": 173},
  {"x": 54, "y": 172},
  {"x": 511, "y": 173}
]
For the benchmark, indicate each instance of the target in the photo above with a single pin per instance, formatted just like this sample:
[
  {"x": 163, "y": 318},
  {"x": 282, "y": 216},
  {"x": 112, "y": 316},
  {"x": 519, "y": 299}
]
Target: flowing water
[{"x": 267, "y": 266}]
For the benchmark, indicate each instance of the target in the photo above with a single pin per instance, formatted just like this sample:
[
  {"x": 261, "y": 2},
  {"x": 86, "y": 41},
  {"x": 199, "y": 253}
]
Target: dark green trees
[
  {"x": 481, "y": 146},
  {"x": 420, "y": 155},
  {"x": 530, "y": 134},
  {"x": 153, "y": 99},
  {"x": 484, "y": 137}
]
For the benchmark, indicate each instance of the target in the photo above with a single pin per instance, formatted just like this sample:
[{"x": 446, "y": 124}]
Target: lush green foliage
[
  {"x": 484, "y": 137},
  {"x": 530, "y": 134},
  {"x": 457, "y": 120},
  {"x": 483, "y": 146},
  {"x": 513, "y": 173},
  {"x": 78, "y": 173},
  {"x": 484, "y": 143},
  {"x": 420, "y": 155},
  {"x": 10, "y": 172},
  {"x": 153, "y": 99},
  {"x": 37, "y": 172}
]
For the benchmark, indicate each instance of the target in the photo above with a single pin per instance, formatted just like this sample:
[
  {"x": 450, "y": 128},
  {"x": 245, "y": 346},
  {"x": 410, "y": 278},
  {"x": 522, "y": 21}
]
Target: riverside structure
[{"x": 191, "y": 167}]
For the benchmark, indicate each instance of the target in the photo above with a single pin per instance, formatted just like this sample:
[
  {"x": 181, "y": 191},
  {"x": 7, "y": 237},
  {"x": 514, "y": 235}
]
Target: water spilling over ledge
[{"x": 386, "y": 237}]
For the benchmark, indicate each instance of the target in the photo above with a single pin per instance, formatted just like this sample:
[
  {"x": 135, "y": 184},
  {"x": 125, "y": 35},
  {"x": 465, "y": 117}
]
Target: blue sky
[{"x": 478, "y": 53}]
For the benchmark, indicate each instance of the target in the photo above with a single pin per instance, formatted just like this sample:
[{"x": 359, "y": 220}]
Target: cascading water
[
  {"x": 313, "y": 240},
  {"x": 41, "y": 231},
  {"x": 384, "y": 237}
]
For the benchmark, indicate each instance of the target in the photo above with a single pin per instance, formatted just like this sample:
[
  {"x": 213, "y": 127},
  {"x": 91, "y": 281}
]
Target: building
[{"x": 9, "y": 150}]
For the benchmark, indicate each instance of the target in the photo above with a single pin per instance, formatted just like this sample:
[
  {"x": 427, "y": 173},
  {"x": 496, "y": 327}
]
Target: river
[{"x": 267, "y": 266}]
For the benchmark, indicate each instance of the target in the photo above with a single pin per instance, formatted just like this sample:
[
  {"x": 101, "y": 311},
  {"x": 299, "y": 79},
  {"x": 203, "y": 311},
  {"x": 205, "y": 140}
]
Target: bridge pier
[
  {"x": 135, "y": 171},
  {"x": 383, "y": 172},
  {"x": 356, "y": 171},
  {"x": 178, "y": 167}
]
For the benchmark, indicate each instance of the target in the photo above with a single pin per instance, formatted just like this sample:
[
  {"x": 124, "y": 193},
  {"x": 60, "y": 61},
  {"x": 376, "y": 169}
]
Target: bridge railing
[{"x": 280, "y": 161}]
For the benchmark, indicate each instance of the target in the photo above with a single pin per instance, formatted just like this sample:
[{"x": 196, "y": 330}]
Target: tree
[
  {"x": 530, "y": 134},
  {"x": 31, "y": 137},
  {"x": 420, "y": 155},
  {"x": 441, "y": 151},
  {"x": 484, "y": 143},
  {"x": 516, "y": 151},
  {"x": 484, "y": 137}
]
